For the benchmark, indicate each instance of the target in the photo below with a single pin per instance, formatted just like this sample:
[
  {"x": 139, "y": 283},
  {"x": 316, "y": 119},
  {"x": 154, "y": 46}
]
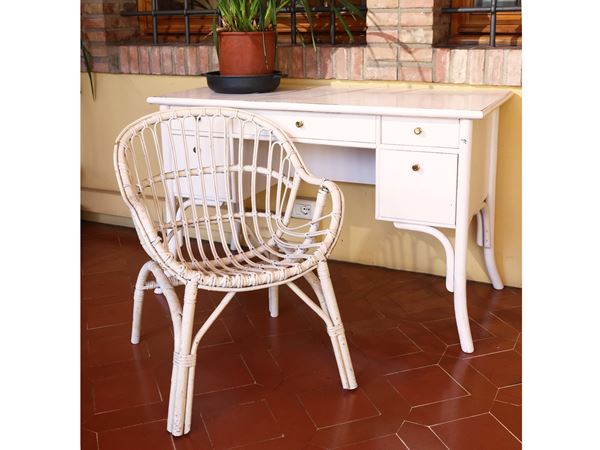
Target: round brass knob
[
  {"x": 418, "y": 130},
  {"x": 416, "y": 167},
  {"x": 299, "y": 124}
]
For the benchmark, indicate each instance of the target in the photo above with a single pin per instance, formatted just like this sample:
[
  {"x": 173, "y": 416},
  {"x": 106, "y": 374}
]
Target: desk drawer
[
  {"x": 419, "y": 131},
  {"x": 416, "y": 186},
  {"x": 325, "y": 126}
]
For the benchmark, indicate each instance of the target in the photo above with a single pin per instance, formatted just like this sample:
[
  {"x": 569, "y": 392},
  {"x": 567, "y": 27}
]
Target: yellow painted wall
[{"x": 121, "y": 99}]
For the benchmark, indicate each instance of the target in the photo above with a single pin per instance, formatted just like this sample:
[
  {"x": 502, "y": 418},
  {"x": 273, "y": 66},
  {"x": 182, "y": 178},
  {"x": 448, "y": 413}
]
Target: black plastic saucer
[{"x": 229, "y": 84}]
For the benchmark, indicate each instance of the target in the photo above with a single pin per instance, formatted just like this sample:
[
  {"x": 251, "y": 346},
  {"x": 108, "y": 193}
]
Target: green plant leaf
[
  {"x": 87, "y": 58},
  {"x": 261, "y": 15},
  {"x": 343, "y": 22}
]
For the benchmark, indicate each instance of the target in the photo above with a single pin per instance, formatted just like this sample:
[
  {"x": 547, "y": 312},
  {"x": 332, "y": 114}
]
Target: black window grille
[
  {"x": 491, "y": 7},
  {"x": 160, "y": 9}
]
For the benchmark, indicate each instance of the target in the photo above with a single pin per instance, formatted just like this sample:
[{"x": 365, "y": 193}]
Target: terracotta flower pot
[{"x": 244, "y": 53}]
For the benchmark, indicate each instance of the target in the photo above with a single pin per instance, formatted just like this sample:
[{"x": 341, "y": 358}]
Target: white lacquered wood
[
  {"x": 448, "y": 249},
  {"x": 416, "y": 186},
  {"x": 420, "y": 102},
  {"x": 489, "y": 212},
  {"x": 463, "y": 219},
  {"x": 337, "y": 163},
  {"x": 316, "y": 126},
  {"x": 420, "y": 131}
]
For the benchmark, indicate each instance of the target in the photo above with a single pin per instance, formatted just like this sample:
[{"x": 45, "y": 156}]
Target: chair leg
[
  {"x": 138, "y": 302},
  {"x": 313, "y": 280},
  {"x": 337, "y": 334},
  {"x": 183, "y": 360},
  {"x": 274, "y": 301}
]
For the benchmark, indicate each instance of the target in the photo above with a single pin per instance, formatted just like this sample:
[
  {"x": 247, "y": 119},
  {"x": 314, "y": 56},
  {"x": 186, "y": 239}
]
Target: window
[
  {"x": 471, "y": 27},
  {"x": 164, "y": 21}
]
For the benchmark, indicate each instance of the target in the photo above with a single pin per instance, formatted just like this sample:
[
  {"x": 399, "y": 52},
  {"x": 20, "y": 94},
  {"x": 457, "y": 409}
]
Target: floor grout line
[{"x": 504, "y": 426}]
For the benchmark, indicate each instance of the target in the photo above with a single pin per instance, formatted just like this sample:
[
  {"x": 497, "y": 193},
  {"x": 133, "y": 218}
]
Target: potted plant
[{"x": 246, "y": 39}]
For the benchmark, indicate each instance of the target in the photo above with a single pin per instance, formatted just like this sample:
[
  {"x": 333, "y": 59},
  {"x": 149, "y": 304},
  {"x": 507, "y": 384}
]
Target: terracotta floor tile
[
  {"x": 89, "y": 440},
  {"x": 408, "y": 362},
  {"x": 483, "y": 347},
  {"x": 494, "y": 325},
  {"x": 104, "y": 259},
  {"x": 147, "y": 436},
  {"x": 426, "y": 385},
  {"x": 449, "y": 410},
  {"x": 419, "y": 437},
  {"x": 481, "y": 395},
  {"x": 467, "y": 376},
  {"x": 328, "y": 407},
  {"x": 385, "y": 397},
  {"x": 382, "y": 344},
  {"x": 391, "y": 442},
  {"x": 216, "y": 372},
  {"x": 283, "y": 443},
  {"x": 273, "y": 384},
  {"x": 263, "y": 367},
  {"x": 353, "y": 310},
  {"x": 240, "y": 328},
  {"x": 114, "y": 349},
  {"x": 476, "y": 433},
  {"x": 114, "y": 283},
  {"x": 302, "y": 354},
  {"x": 392, "y": 410},
  {"x": 422, "y": 337},
  {"x": 502, "y": 369},
  {"x": 354, "y": 432},
  {"x": 242, "y": 425},
  {"x": 446, "y": 331},
  {"x": 196, "y": 439},
  {"x": 510, "y": 416},
  {"x": 126, "y": 417},
  {"x": 217, "y": 334},
  {"x": 510, "y": 394},
  {"x": 288, "y": 322},
  {"x": 484, "y": 295},
  {"x": 512, "y": 316},
  {"x": 293, "y": 419},
  {"x": 125, "y": 391},
  {"x": 99, "y": 316}
]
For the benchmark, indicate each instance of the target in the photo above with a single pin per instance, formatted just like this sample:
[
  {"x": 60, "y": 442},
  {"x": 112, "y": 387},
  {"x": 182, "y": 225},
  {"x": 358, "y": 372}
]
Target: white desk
[{"x": 434, "y": 164}]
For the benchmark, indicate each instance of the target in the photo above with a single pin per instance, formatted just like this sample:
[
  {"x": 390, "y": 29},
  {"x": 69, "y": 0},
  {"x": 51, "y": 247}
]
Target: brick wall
[{"x": 404, "y": 40}]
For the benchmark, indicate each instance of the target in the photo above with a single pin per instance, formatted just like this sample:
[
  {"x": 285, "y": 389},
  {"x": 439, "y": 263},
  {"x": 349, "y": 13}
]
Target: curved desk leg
[
  {"x": 479, "y": 238},
  {"x": 488, "y": 248},
  {"x": 488, "y": 212},
  {"x": 461, "y": 239},
  {"x": 445, "y": 243},
  {"x": 460, "y": 287},
  {"x": 456, "y": 276}
]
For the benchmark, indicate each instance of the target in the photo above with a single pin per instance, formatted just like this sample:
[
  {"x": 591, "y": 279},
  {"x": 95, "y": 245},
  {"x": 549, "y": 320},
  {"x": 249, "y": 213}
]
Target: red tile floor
[{"x": 266, "y": 383}]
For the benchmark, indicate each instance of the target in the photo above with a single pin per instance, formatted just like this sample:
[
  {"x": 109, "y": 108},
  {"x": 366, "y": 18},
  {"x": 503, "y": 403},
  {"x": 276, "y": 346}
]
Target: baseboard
[{"x": 107, "y": 219}]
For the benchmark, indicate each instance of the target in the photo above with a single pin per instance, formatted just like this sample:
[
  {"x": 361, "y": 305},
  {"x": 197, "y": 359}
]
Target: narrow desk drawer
[
  {"x": 419, "y": 131},
  {"x": 416, "y": 186},
  {"x": 325, "y": 126}
]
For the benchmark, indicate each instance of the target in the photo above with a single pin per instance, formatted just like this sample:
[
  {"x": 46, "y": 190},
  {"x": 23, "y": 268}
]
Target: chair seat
[{"x": 248, "y": 270}]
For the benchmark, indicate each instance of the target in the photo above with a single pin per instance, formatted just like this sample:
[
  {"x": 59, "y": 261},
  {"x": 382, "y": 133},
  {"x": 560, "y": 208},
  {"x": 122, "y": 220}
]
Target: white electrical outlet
[{"x": 303, "y": 208}]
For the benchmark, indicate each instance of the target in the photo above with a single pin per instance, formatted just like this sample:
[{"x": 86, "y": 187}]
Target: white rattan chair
[{"x": 211, "y": 192}]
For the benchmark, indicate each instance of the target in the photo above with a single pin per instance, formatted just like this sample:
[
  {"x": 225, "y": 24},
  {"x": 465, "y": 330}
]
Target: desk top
[{"x": 393, "y": 101}]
